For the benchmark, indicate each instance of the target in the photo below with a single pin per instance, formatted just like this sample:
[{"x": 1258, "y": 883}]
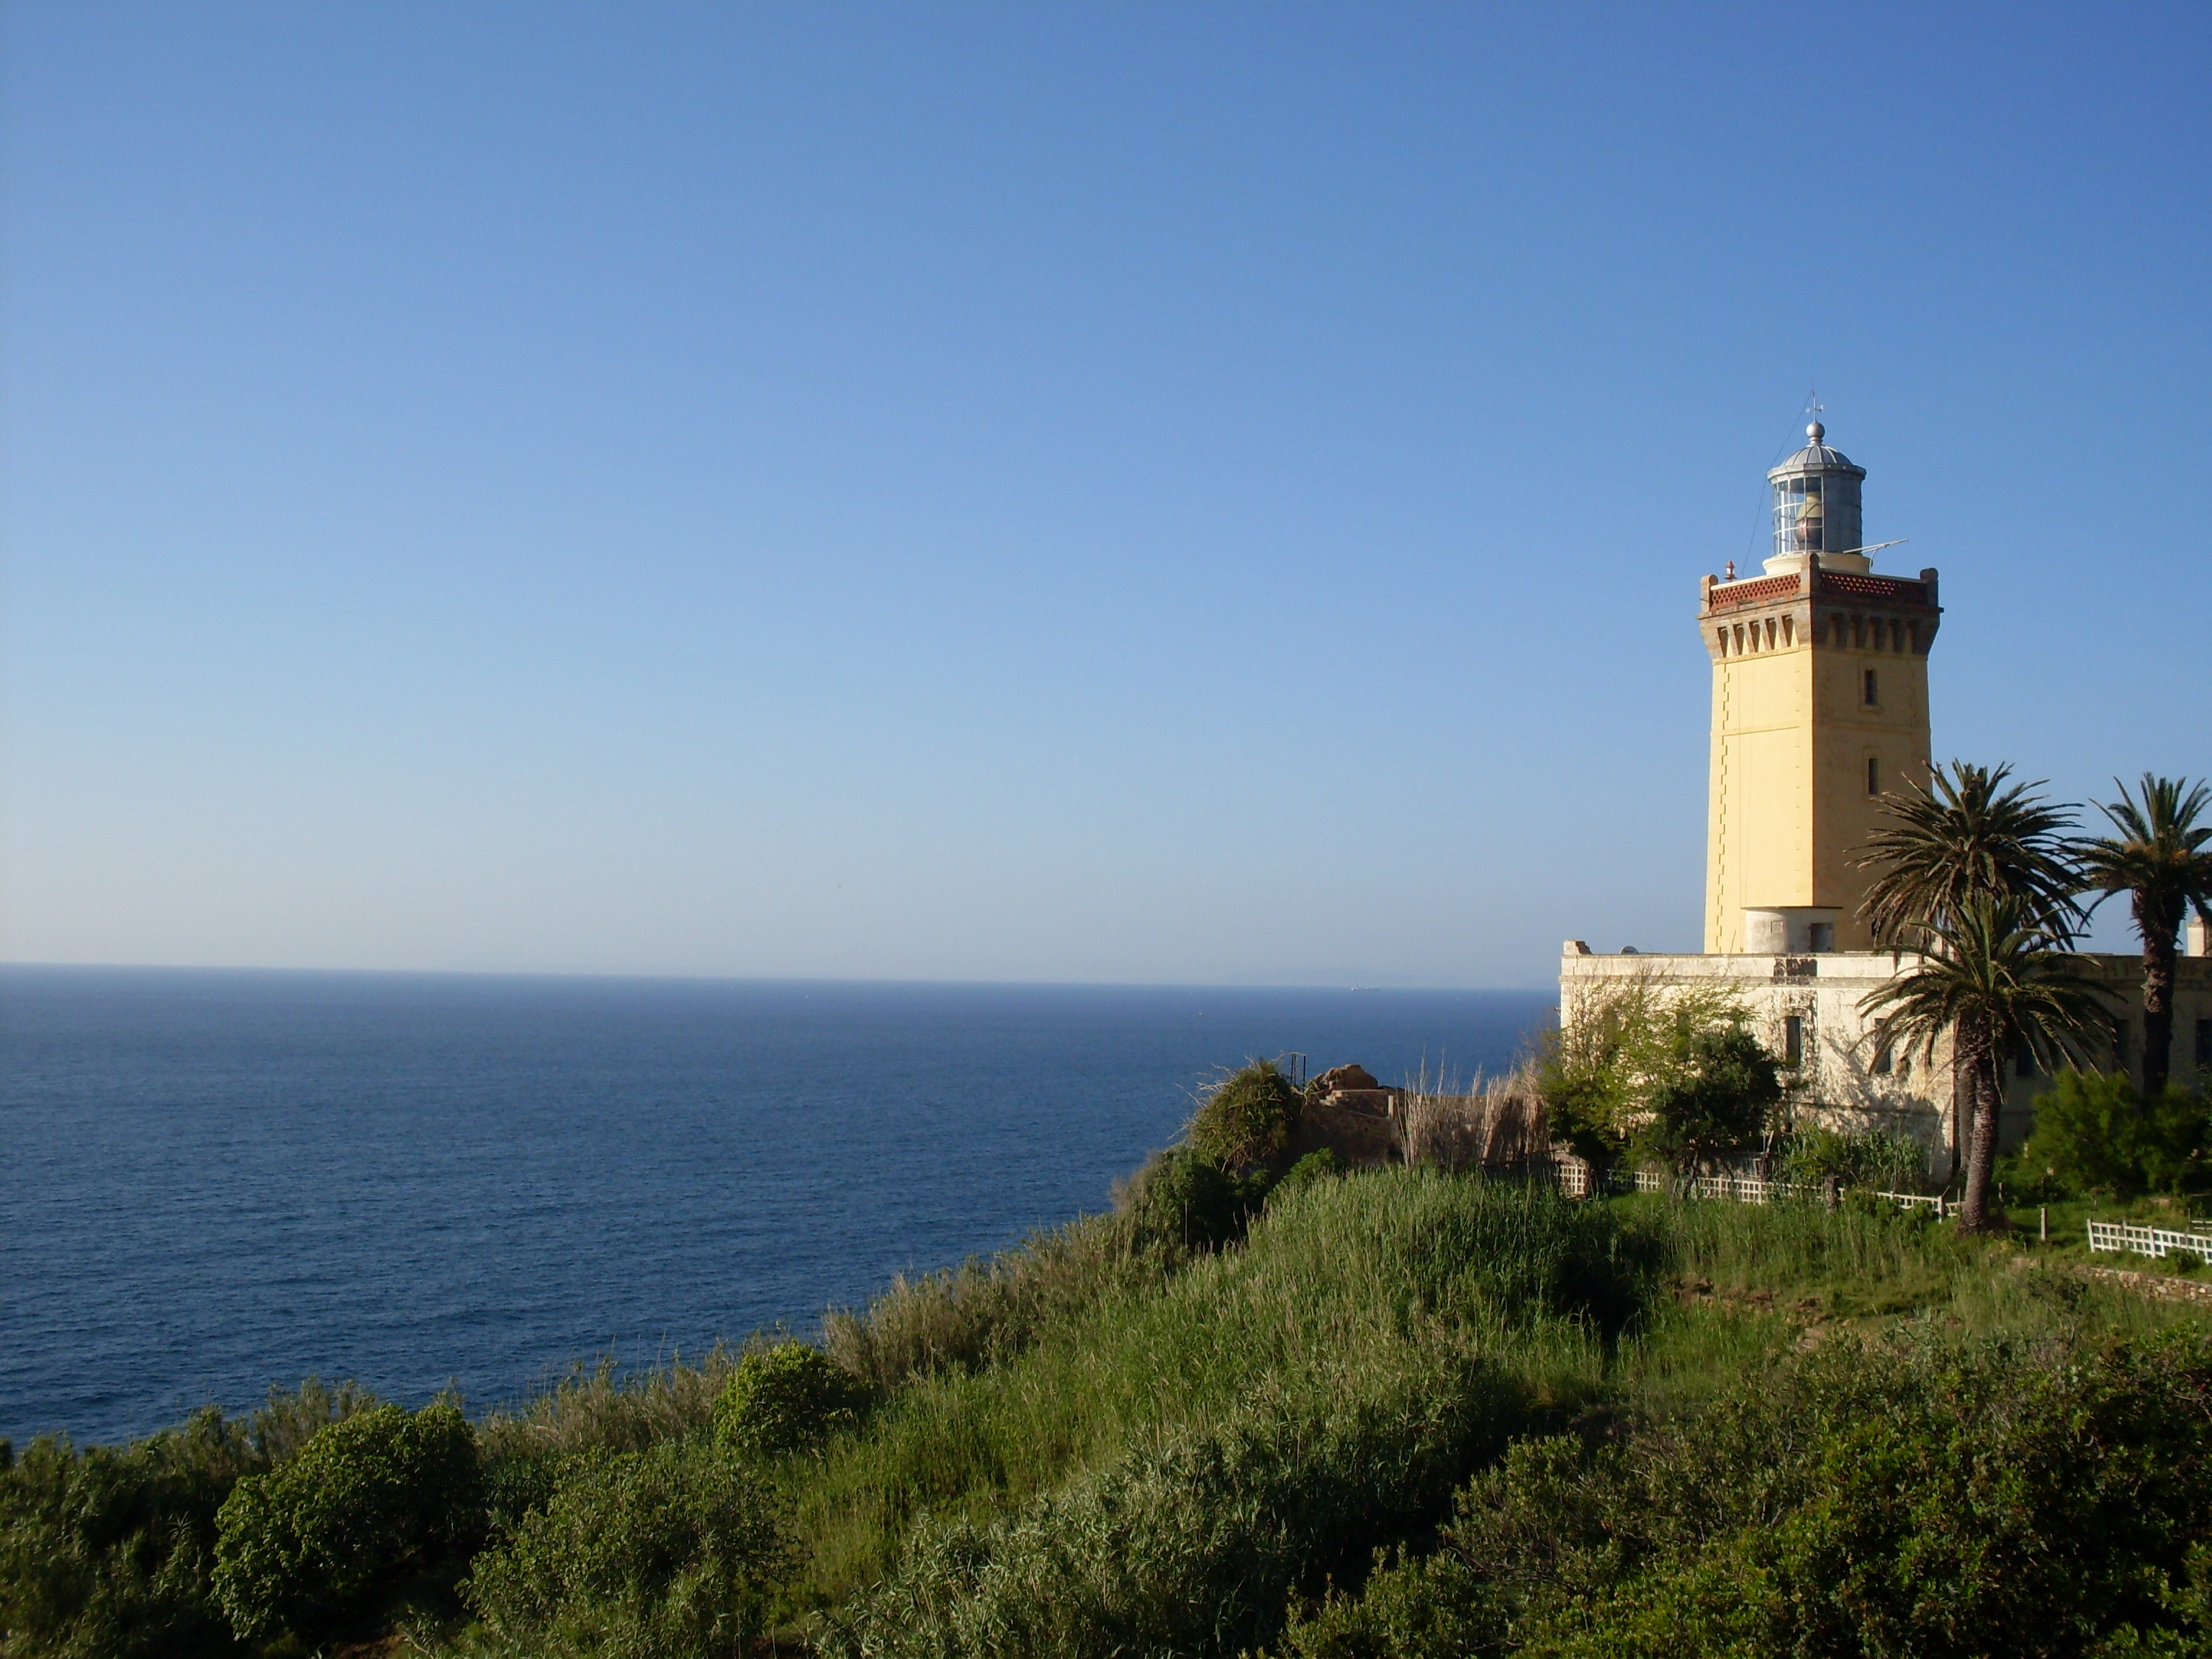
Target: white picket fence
[
  {"x": 1574, "y": 1181},
  {"x": 2146, "y": 1240}
]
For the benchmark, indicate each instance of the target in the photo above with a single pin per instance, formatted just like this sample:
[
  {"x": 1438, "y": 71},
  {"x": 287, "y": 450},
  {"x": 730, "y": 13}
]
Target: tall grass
[
  {"x": 1401, "y": 1287},
  {"x": 985, "y": 1311},
  {"x": 603, "y": 1408}
]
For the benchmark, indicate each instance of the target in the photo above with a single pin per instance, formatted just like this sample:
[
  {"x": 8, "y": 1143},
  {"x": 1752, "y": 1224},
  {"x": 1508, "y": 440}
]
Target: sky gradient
[{"x": 1083, "y": 493}]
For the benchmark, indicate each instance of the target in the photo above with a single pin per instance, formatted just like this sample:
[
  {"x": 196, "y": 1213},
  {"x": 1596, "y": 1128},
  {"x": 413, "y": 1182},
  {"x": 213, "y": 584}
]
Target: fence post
[
  {"x": 2043, "y": 1223},
  {"x": 1828, "y": 1192}
]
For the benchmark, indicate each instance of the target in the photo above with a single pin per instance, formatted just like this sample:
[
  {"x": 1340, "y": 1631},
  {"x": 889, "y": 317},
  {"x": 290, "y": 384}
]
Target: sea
[{"x": 214, "y": 1181}]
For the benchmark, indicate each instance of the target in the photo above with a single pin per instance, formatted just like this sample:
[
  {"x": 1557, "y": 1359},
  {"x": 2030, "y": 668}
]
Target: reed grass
[{"x": 1340, "y": 1292}]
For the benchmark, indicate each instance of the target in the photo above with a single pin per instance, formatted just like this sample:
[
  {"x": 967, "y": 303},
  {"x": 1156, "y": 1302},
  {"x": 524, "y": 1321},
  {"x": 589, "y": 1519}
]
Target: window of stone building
[
  {"x": 1871, "y": 691},
  {"x": 1882, "y": 1061},
  {"x": 1874, "y": 775},
  {"x": 1793, "y": 1040},
  {"x": 2204, "y": 1045}
]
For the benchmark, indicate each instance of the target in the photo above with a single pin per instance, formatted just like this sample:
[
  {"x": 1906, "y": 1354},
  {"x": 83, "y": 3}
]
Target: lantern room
[{"x": 1816, "y": 506}]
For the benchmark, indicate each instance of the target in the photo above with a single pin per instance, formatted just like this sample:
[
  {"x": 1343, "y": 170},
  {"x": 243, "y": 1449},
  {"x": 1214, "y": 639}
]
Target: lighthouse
[{"x": 1820, "y": 709}]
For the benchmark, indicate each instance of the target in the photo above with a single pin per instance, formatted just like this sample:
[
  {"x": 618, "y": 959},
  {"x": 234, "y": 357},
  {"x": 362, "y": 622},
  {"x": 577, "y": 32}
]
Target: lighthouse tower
[{"x": 1820, "y": 706}]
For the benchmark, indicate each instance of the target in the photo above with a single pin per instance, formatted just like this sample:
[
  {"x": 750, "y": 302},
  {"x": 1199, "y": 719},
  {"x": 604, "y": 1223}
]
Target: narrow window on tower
[
  {"x": 1882, "y": 1061},
  {"x": 2204, "y": 1045},
  {"x": 1871, "y": 694},
  {"x": 1793, "y": 1040},
  {"x": 1874, "y": 775}
]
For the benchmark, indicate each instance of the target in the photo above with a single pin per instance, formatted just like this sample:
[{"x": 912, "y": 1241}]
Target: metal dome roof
[{"x": 1817, "y": 457}]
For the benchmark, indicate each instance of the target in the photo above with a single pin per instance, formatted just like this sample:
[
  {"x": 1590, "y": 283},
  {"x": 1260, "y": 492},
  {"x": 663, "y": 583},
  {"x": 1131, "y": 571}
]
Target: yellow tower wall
[
  {"x": 1789, "y": 809},
  {"x": 1846, "y": 733}
]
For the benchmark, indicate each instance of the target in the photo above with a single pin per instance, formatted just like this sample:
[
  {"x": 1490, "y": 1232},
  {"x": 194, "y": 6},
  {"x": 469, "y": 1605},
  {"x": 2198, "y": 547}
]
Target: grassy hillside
[{"x": 1389, "y": 1412}]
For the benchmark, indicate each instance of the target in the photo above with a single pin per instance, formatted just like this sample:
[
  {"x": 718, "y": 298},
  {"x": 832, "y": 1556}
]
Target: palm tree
[
  {"x": 2159, "y": 858},
  {"x": 1996, "y": 979},
  {"x": 1966, "y": 835}
]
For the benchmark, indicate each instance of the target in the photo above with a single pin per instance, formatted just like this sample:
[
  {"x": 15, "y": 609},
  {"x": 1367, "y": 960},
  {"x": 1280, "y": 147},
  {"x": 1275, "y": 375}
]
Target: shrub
[
  {"x": 107, "y": 1554},
  {"x": 368, "y": 1506},
  {"x": 1181, "y": 1202},
  {"x": 111, "y": 1551},
  {"x": 784, "y": 1399},
  {"x": 1193, "y": 1546},
  {"x": 1244, "y": 1121},
  {"x": 1872, "y": 1161},
  {"x": 2095, "y": 1135},
  {"x": 1431, "y": 1607},
  {"x": 669, "y": 1553},
  {"x": 1910, "y": 1496},
  {"x": 1675, "y": 1067},
  {"x": 1313, "y": 1166}
]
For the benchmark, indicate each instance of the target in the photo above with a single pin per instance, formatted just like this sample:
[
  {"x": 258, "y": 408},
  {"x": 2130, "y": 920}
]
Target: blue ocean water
[{"x": 211, "y": 1182}]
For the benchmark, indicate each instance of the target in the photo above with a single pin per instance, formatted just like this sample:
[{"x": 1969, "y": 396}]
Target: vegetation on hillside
[
  {"x": 1390, "y": 1413},
  {"x": 1308, "y": 1412}
]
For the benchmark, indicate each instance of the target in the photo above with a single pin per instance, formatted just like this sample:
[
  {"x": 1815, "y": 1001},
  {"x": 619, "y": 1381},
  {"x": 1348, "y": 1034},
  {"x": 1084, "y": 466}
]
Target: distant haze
[{"x": 1096, "y": 493}]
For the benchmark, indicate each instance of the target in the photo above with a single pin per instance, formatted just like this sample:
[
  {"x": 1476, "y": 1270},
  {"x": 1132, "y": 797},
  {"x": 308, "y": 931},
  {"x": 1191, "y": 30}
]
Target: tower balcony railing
[{"x": 1840, "y": 584}]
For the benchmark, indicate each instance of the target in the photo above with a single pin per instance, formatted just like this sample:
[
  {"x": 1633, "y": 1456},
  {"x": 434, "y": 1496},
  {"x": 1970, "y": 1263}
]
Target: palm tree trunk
[
  {"x": 2158, "y": 997},
  {"x": 1977, "y": 1072}
]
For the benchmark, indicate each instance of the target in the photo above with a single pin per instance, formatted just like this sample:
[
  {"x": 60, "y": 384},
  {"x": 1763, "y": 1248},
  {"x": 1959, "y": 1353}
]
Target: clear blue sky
[{"x": 1040, "y": 492}]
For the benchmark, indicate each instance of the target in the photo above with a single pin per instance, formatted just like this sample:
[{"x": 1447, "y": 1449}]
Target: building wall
[{"x": 1841, "y": 1081}]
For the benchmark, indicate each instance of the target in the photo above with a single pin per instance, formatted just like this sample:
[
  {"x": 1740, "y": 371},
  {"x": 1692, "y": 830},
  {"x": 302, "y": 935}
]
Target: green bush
[
  {"x": 1433, "y": 1607},
  {"x": 786, "y": 1399},
  {"x": 111, "y": 1551},
  {"x": 670, "y": 1554},
  {"x": 1674, "y": 1069},
  {"x": 1313, "y": 1166},
  {"x": 1244, "y": 1121},
  {"x": 107, "y": 1554},
  {"x": 1916, "y": 1497},
  {"x": 369, "y": 1506},
  {"x": 2094, "y": 1135},
  {"x": 1870, "y": 1161},
  {"x": 1181, "y": 1202}
]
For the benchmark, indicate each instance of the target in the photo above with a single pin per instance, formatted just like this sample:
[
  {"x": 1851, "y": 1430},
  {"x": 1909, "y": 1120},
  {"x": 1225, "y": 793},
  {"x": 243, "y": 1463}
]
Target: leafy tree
[
  {"x": 1672, "y": 1069},
  {"x": 2160, "y": 859},
  {"x": 2096, "y": 1135},
  {"x": 1714, "y": 1098},
  {"x": 370, "y": 1504},
  {"x": 1994, "y": 981},
  {"x": 786, "y": 1398},
  {"x": 1967, "y": 834},
  {"x": 1245, "y": 1118}
]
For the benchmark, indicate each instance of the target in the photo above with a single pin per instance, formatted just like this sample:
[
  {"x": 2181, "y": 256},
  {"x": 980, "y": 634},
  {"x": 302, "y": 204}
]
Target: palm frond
[{"x": 1968, "y": 835}]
